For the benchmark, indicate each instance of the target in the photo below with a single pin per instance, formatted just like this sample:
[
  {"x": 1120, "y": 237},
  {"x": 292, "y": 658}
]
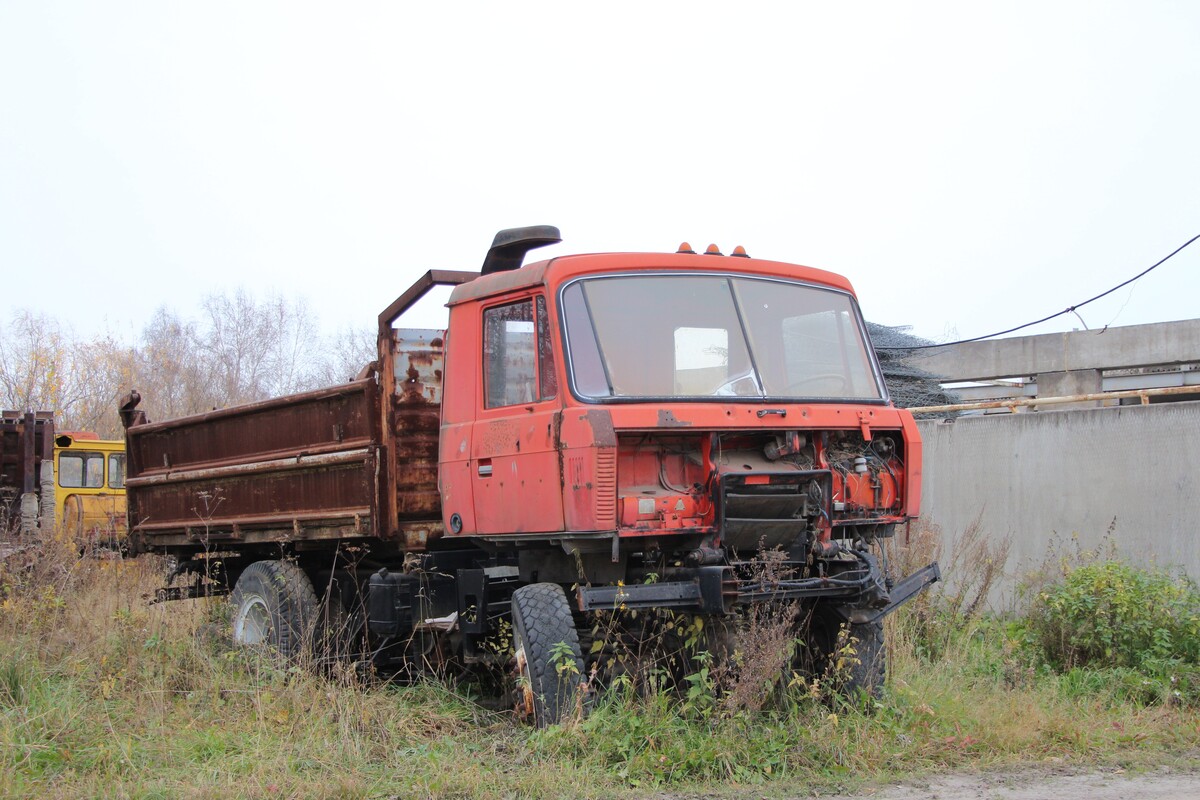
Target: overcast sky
[{"x": 968, "y": 166}]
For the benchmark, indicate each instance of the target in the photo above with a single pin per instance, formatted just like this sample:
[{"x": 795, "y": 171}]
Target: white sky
[{"x": 969, "y": 166}]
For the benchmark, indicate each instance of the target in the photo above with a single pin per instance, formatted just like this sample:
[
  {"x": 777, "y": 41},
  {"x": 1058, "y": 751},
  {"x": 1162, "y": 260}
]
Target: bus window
[
  {"x": 116, "y": 471},
  {"x": 81, "y": 470}
]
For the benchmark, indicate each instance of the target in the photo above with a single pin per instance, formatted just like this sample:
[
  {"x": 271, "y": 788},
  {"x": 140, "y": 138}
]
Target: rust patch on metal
[
  {"x": 500, "y": 436},
  {"x": 415, "y": 423},
  {"x": 313, "y": 422},
  {"x": 418, "y": 535},
  {"x": 667, "y": 419},
  {"x": 420, "y": 358},
  {"x": 603, "y": 432},
  {"x": 295, "y": 467}
]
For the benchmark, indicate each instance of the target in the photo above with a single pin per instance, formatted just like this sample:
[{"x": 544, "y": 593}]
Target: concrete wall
[
  {"x": 1114, "y": 348},
  {"x": 1034, "y": 475}
]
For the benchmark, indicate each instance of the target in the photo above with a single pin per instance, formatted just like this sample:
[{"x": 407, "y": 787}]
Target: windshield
[{"x": 693, "y": 336}]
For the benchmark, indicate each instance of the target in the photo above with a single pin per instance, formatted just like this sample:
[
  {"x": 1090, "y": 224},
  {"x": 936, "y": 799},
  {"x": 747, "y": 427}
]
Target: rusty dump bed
[
  {"x": 328, "y": 465},
  {"x": 300, "y": 467}
]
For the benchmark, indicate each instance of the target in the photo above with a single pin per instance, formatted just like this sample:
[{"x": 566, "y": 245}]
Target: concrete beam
[{"x": 1113, "y": 348}]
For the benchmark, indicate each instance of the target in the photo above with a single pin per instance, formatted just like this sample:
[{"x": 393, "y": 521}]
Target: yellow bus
[{"x": 89, "y": 487}]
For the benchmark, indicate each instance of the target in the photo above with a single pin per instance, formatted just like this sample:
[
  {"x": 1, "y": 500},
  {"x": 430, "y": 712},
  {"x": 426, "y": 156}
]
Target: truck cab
[{"x": 658, "y": 413}]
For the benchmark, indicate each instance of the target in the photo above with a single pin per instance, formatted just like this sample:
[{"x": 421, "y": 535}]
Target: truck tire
[
  {"x": 548, "y": 657},
  {"x": 868, "y": 669},
  {"x": 865, "y": 671},
  {"x": 274, "y": 604}
]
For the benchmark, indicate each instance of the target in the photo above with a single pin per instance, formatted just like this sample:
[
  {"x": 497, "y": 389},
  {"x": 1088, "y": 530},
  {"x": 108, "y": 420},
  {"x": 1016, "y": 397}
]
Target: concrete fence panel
[{"x": 1128, "y": 473}]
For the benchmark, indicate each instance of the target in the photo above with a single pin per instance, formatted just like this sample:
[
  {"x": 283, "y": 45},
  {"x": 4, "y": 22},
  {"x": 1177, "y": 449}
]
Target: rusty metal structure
[
  {"x": 593, "y": 434},
  {"x": 1143, "y": 396},
  {"x": 26, "y": 441},
  {"x": 342, "y": 464},
  {"x": 301, "y": 467}
]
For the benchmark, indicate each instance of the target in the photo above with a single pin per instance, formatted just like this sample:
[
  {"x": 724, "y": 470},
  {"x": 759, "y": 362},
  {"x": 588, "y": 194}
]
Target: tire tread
[
  {"x": 543, "y": 619},
  {"x": 290, "y": 598}
]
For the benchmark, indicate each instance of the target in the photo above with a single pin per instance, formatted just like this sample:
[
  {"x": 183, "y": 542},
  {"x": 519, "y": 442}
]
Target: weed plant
[
  {"x": 103, "y": 694},
  {"x": 1101, "y": 620}
]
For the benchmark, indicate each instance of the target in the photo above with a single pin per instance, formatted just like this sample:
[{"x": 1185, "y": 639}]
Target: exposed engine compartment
[{"x": 761, "y": 488}]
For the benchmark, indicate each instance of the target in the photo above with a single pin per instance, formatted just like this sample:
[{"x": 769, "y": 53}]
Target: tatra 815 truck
[{"x": 592, "y": 434}]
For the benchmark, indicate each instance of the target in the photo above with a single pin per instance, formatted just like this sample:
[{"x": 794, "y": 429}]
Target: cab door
[{"x": 514, "y": 461}]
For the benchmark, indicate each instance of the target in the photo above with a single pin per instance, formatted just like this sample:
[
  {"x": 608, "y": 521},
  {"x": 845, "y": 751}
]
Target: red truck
[{"x": 592, "y": 432}]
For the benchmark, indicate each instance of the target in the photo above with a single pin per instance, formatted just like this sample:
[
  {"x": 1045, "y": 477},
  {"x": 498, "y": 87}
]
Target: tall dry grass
[
  {"x": 976, "y": 564},
  {"x": 103, "y": 694}
]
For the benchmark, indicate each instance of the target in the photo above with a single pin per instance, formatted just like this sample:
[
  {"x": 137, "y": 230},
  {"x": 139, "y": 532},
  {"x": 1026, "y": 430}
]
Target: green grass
[{"x": 104, "y": 695}]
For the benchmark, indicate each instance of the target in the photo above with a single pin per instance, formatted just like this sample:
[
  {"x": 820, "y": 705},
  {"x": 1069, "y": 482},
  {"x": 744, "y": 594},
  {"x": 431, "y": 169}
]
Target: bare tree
[
  {"x": 99, "y": 370},
  {"x": 344, "y": 355},
  {"x": 170, "y": 371},
  {"x": 34, "y": 353},
  {"x": 293, "y": 345},
  {"x": 240, "y": 350},
  {"x": 254, "y": 350},
  {"x": 44, "y": 366}
]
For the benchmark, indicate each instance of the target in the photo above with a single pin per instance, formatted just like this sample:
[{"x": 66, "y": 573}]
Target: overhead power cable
[{"x": 1068, "y": 310}]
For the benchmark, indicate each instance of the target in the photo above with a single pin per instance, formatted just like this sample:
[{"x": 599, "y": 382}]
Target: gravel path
[{"x": 1037, "y": 783}]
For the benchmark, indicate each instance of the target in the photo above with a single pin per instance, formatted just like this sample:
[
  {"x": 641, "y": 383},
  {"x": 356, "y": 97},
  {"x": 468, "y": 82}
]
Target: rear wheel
[
  {"x": 549, "y": 663},
  {"x": 274, "y": 604}
]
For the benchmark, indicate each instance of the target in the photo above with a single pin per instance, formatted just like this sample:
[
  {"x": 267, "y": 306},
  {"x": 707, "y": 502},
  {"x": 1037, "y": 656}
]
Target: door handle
[{"x": 485, "y": 468}]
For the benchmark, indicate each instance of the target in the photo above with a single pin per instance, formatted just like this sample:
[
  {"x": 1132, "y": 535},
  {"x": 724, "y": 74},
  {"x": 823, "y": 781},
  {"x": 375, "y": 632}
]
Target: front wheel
[
  {"x": 850, "y": 654},
  {"x": 274, "y": 604},
  {"x": 549, "y": 662},
  {"x": 868, "y": 666}
]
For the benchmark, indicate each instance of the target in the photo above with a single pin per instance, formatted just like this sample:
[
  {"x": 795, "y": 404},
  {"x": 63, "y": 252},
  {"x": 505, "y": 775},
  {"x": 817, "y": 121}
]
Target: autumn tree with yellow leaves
[{"x": 239, "y": 349}]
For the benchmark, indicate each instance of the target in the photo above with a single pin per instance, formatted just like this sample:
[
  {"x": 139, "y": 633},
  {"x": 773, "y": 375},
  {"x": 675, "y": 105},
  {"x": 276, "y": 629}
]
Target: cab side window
[
  {"x": 517, "y": 363},
  {"x": 547, "y": 377}
]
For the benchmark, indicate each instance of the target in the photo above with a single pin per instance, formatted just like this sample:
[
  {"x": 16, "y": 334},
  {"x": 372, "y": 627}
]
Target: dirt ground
[
  {"x": 1035, "y": 782},
  {"x": 1038, "y": 783}
]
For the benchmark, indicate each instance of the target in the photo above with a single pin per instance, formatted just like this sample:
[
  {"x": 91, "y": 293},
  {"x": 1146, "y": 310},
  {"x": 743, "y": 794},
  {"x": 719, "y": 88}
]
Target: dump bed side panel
[
  {"x": 412, "y": 379},
  {"x": 290, "y": 469}
]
